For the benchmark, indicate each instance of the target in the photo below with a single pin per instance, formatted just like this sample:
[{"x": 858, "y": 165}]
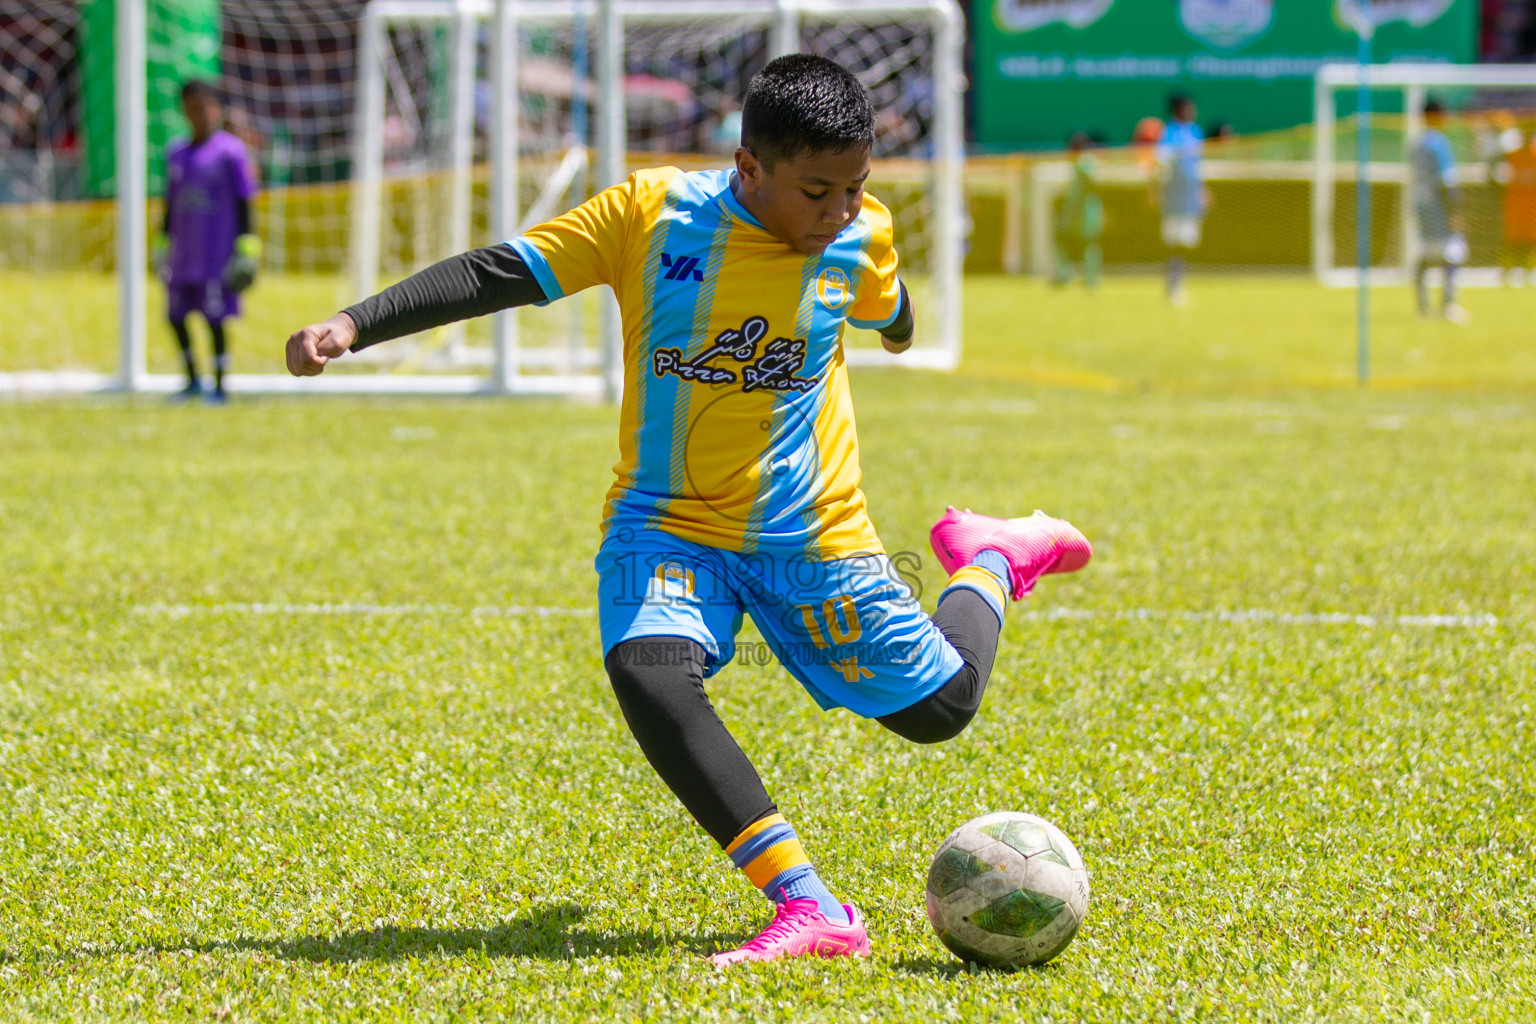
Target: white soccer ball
[{"x": 1006, "y": 890}]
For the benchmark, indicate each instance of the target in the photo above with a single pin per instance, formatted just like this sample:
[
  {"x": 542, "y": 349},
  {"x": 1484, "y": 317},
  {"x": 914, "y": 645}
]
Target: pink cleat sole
[
  {"x": 799, "y": 928},
  {"x": 1034, "y": 545}
]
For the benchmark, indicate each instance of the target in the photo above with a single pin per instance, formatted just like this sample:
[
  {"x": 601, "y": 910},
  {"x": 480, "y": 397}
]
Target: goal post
[
  {"x": 1490, "y": 110},
  {"x": 656, "y": 75},
  {"x": 389, "y": 135}
]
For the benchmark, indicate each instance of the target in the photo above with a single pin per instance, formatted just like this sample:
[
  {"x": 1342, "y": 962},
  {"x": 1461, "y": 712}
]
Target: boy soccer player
[
  {"x": 1080, "y": 221},
  {"x": 1437, "y": 208},
  {"x": 207, "y": 254},
  {"x": 737, "y": 486},
  {"x": 1183, "y": 195}
]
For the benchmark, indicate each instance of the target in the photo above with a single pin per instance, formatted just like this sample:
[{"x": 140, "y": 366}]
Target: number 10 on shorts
[{"x": 841, "y": 617}]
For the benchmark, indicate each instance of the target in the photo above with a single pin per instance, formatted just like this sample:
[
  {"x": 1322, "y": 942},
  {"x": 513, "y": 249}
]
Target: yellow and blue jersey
[{"x": 737, "y": 427}]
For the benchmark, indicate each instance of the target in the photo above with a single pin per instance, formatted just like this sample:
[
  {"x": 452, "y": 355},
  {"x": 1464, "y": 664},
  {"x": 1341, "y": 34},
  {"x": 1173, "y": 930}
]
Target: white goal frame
[
  {"x": 505, "y": 376},
  {"x": 1413, "y": 82},
  {"x": 783, "y": 20}
]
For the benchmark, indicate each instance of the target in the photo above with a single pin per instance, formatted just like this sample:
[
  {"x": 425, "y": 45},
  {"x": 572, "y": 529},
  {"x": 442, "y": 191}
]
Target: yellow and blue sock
[
  {"x": 769, "y": 853},
  {"x": 987, "y": 575}
]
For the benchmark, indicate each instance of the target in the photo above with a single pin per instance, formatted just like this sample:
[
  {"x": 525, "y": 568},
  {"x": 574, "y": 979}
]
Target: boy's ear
[{"x": 749, "y": 167}]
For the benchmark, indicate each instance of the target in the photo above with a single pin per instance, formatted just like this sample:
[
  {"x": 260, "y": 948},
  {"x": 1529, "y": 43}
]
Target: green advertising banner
[
  {"x": 182, "y": 42},
  {"x": 1046, "y": 68}
]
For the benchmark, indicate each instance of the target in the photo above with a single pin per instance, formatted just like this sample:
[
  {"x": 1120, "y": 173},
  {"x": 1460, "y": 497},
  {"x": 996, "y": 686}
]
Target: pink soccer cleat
[
  {"x": 1034, "y": 545},
  {"x": 799, "y": 928}
]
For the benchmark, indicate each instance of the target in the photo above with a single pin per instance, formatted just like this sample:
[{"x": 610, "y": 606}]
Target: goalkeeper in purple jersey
[{"x": 207, "y": 254}]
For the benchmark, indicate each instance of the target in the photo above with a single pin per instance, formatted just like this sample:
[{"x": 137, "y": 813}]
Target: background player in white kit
[
  {"x": 1182, "y": 195},
  {"x": 1437, "y": 211}
]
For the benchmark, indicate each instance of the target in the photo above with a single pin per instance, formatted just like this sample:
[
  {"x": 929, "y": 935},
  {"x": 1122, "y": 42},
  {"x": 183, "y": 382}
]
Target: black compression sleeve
[
  {"x": 243, "y": 217},
  {"x": 971, "y": 627},
  {"x": 900, "y": 330},
  {"x": 470, "y": 284}
]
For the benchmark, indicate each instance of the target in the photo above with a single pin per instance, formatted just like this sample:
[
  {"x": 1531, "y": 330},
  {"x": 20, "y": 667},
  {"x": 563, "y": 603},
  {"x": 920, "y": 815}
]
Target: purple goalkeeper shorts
[{"x": 211, "y": 299}]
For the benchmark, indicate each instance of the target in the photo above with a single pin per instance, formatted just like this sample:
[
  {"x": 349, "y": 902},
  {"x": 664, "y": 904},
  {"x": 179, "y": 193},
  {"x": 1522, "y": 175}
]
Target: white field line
[
  {"x": 1054, "y": 614},
  {"x": 178, "y": 611},
  {"x": 1280, "y": 618}
]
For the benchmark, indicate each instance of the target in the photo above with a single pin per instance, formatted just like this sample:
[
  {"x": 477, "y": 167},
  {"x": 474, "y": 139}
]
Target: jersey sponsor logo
[
  {"x": 1226, "y": 23},
  {"x": 671, "y": 582},
  {"x": 1028, "y": 15},
  {"x": 833, "y": 288},
  {"x": 681, "y": 268},
  {"x": 775, "y": 368},
  {"x": 1417, "y": 13}
]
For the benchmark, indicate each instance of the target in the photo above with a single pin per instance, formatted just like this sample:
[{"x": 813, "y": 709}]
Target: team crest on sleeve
[
  {"x": 774, "y": 367},
  {"x": 833, "y": 288}
]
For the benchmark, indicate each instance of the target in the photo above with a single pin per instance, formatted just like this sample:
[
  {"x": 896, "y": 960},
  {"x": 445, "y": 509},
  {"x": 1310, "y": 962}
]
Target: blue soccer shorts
[{"x": 850, "y": 630}]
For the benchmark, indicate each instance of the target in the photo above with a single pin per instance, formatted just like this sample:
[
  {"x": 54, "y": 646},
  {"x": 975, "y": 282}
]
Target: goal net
[
  {"x": 388, "y": 135},
  {"x": 55, "y": 248},
  {"x": 669, "y": 77},
  {"x": 1466, "y": 168},
  {"x": 286, "y": 73},
  {"x": 1286, "y": 203},
  {"x": 1256, "y": 196}
]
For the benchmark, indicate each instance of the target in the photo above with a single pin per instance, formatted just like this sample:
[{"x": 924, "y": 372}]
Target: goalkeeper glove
[
  {"x": 160, "y": 257},
  {"x": 240, "y": 271}
]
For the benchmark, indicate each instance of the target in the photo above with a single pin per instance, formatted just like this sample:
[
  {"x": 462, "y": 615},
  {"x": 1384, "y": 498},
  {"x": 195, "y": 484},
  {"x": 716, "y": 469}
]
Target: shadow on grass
[
  {"x": 951, "y": 967},
  {"x": 547, "y": 933}
]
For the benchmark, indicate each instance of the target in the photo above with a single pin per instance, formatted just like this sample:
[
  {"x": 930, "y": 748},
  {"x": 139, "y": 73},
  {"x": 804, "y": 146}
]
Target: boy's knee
[
  {"x": 943, "y": 714},
  {"x": 922, "y": 723}
]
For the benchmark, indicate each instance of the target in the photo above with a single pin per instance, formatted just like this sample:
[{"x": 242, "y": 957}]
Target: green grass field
[
  {"x": 1242, "y": 334},
  {"x": 283, "y": 736}
]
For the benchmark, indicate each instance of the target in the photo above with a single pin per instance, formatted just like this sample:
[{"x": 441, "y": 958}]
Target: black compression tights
[{"x": 659, "y": 682}]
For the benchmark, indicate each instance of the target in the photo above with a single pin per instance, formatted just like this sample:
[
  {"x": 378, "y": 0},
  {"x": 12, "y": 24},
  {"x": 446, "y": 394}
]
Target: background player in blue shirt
[
  {"x": 207, "y": 254},
  {"x": 1437, "y": 209},
  {"x": 1182, "y": 196}
]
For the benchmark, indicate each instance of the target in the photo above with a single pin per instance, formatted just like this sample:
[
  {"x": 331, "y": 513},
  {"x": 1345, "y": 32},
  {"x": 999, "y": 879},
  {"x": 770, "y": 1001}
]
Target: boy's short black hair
[
  {"x": 1433, "y": 106},
  {"x": 198, "y": 88},
  {"x": 1178, "y": 101},
  {"x": 802, "y": 103}
]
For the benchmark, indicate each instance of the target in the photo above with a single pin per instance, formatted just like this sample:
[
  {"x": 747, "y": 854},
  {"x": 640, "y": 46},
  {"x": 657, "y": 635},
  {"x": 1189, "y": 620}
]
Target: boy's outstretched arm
[
  {"x": 468, "y": 285},
  {"x": 897, "y": 336}
]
